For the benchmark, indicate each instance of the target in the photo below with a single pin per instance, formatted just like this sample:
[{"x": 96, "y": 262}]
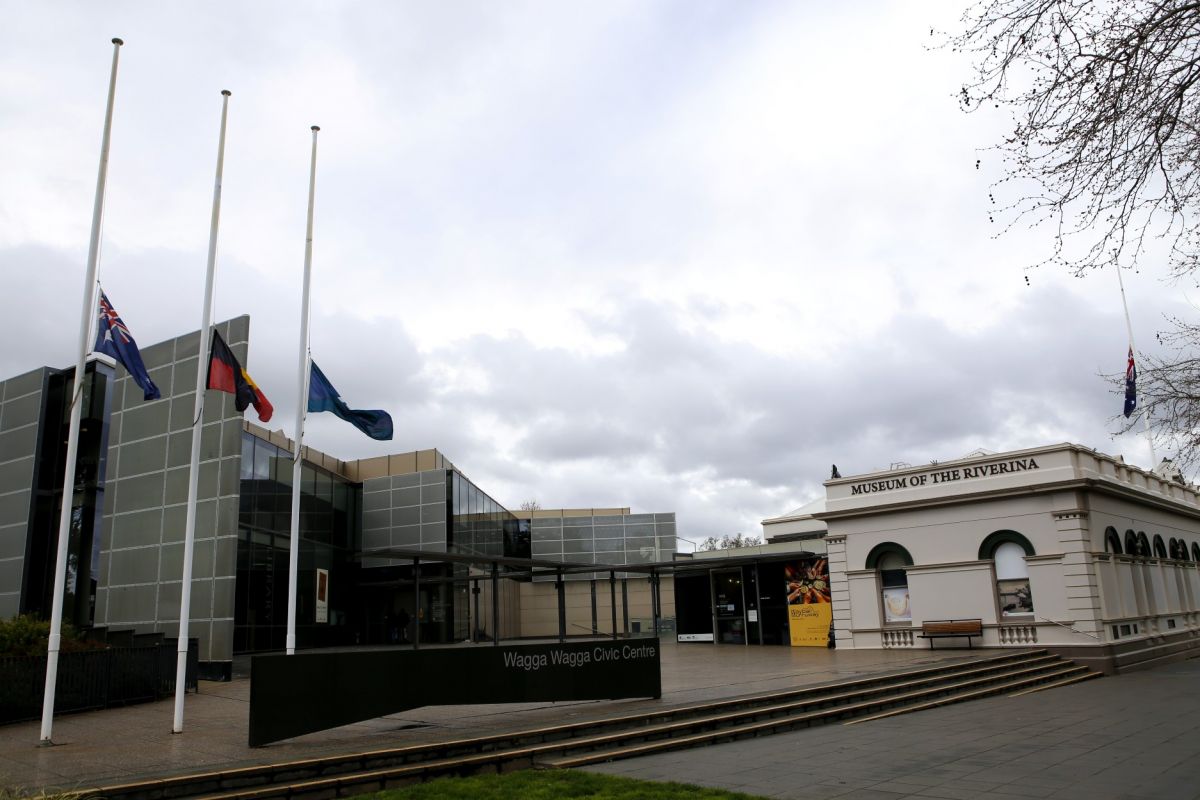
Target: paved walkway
[
  {"x": 124, "y": 744},
  {"x": 1132, "y": 736}
]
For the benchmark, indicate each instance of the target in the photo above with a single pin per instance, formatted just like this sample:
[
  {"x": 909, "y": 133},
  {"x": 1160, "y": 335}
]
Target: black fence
[{"x": 135, "y": 673}]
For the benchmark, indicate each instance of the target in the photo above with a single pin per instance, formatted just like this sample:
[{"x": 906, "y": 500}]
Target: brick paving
[
  {"x": 125, "y": 744},
  {"x": 1131, "y": 736}
]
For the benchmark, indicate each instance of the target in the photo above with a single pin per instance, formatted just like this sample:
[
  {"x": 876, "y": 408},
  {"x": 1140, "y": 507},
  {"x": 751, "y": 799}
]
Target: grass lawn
[{"x": 551, "y": 785}]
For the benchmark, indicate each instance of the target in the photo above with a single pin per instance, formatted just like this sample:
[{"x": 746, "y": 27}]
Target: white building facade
[{"x": 1058, "y": 546}]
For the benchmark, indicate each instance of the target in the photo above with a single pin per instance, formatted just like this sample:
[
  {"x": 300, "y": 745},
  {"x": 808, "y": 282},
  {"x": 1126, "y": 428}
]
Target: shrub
[{"x": 28, "y": 636}]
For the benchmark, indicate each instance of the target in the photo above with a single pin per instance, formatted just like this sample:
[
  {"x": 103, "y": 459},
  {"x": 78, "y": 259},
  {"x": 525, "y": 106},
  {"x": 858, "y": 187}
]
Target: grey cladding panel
[
  {"x": 14, "y": 508},
  {"x": 133, "y": 566},
  {"x": 21, "y": 412},
  {"x": 136, "y": 458},
  {"x": 406, "y": 497},
  {"x": 12, "y": 543},
  {"x": 23, "y": 384},
  {"x": 16, "y": 475},
  {"x": 19, "y": 442},
  {"x": 404, "y": 481}
]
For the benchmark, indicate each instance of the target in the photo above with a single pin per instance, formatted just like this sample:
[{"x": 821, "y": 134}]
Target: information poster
[
  {"x": 810, "y": 608},
  {"x": 322, "y": 595},
  {"x": 895, "y": 604}
]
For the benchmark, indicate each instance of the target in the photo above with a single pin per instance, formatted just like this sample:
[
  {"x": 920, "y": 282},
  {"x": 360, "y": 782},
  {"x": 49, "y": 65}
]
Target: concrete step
[
  {"x": 907, "y": 702},
  {"x": 359, "y": 772}
]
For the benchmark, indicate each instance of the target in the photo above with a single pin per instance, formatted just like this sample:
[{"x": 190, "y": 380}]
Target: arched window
[
  {"x": 1131, "y": 543},
  {"x": 1143, "y": 545},
  {"x": 1176, "y": 549},
  {"x": 1195, "y": 552},
  {"x": 1160, "y": 549},
  {"x": 1112, "y": 541},
  {"x": 891, "y": 561},
  {"x": 1008, "y": 550}
]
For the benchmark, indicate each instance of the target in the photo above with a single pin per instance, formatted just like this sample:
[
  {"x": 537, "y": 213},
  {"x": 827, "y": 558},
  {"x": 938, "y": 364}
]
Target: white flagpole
[
  {"x": 189, "y": 530},
  {"x": 301, "y": 407},
  {"x": 68, "y": 496},
  {"x": 1129, "y": 327}
]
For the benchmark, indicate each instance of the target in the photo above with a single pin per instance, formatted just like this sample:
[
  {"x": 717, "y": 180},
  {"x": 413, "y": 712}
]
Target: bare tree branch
[{"x": 1106, "y": 139}]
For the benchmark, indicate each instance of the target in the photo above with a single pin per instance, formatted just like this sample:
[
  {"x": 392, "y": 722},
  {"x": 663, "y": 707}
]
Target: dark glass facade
[
  {"x": 481, "y": 525},
  {"x": 84, "y": 544},
  {"x": 329, "y": 522}
]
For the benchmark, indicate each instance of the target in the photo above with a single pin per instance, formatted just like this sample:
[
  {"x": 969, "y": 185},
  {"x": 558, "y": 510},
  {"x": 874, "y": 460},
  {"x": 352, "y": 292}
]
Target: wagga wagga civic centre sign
[
  {"x": 573, "y": 658},
  {"x": 313, "y": 691},
  {"x": 945, "y": 476}
]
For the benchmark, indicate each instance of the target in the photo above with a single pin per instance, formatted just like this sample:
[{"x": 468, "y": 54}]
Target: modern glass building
[{"x": 129, "y": 509}]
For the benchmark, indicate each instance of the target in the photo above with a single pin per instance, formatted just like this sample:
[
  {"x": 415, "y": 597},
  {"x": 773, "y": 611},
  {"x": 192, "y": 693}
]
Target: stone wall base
[{"x": 1136, "y": 653}]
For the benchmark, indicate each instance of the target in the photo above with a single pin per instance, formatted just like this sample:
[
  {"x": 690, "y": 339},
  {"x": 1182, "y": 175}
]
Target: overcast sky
[{"x": 678, "y": 256}]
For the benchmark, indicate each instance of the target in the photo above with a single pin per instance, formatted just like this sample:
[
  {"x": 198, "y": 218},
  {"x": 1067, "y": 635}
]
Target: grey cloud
[{"x": 675, "y": 404}]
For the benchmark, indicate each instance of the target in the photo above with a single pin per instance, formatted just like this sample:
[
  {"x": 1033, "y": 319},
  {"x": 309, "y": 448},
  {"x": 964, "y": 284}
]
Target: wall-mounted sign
[
  {"x": 695, "y": 637},
  {"x": 808, "y": 624},
  {"x": 944, "y": 476},
  {"x": 312, "y": 691},
  {"x": 322, "y": 595}
]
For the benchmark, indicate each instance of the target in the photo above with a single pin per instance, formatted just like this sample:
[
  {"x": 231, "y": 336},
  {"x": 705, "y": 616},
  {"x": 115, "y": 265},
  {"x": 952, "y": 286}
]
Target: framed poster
[
  {"x": 322, "y": 608},
  {"x": 895, "y": 604},
  {"x": 1016, "y": 599}
]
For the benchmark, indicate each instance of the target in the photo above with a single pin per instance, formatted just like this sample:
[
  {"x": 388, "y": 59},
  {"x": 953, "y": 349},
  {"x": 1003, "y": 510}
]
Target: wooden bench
[{"x": 949, "y": 628}]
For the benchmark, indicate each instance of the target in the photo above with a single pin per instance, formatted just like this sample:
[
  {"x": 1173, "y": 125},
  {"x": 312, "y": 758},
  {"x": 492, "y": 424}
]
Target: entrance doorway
[{"x": 729, "y": 606}]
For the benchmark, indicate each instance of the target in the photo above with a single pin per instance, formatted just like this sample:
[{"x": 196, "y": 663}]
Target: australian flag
[
  {"x": 1130, "y": 385},
  {"x": 114, "y": 339}
]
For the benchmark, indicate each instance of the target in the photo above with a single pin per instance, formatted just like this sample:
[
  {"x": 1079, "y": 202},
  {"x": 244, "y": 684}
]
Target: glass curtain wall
[
  {"x": 83, "y": 554},
  {"x": 481, "y": 525},
  {"x": 329, "y": 510}
]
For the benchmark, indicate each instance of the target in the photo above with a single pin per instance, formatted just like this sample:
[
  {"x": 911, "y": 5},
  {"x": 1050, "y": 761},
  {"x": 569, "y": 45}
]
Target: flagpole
[
  {"x": 301, "y": 407},
  {"x": 68, "y": 495},
  {"x": 189, "y": 530},
  {"x": 1145, "y": 412}
]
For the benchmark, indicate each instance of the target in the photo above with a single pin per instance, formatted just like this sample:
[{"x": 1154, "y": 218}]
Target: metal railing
[
  {"x": 1070, "y": 627},
  {"x": 91, "y": 679}
]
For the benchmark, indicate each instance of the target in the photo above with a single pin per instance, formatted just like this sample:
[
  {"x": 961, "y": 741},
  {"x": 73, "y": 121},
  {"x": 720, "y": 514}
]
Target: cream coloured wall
[
  {"x": 949, "y": 534},
  {"x": 952, "y": 591},
  {"x": 1048, "y": 587},
  {"x": 1063, "y": 506}
]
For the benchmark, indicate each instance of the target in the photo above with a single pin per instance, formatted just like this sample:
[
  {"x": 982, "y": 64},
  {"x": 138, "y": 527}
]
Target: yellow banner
[{"x": 808, "y": 624}]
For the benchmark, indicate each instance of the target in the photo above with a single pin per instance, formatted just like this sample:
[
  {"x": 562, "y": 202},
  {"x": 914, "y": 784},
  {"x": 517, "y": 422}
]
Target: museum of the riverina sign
[{"x": 936, "y": 476}]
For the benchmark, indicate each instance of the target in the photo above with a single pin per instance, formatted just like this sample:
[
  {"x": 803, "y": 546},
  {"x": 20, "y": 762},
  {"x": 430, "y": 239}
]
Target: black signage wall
[{"x": 308, "y": 692}]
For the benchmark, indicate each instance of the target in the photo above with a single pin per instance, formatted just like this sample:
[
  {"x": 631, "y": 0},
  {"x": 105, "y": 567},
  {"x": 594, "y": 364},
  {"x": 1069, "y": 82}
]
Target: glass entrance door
[{"x": 729, "y": 606}]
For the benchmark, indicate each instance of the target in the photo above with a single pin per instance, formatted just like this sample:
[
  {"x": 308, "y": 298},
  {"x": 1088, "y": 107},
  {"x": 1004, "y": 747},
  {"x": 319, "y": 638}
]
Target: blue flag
[
  {"x": 114, "y": 339},
  {"x": 1130, "y": 385},
  {"x": 323, "y": 397}
]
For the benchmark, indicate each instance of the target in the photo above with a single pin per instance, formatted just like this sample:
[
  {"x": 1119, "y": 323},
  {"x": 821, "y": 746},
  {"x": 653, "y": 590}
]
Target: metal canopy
[{"x": 537, "y": 567}]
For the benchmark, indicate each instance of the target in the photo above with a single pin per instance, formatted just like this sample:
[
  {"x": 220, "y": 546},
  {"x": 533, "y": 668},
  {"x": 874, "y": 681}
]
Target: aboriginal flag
[{"x": 225, "y": 374}]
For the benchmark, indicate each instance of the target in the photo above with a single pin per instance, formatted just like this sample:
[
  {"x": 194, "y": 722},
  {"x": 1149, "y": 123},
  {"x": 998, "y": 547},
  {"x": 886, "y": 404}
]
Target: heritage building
[{"x": 1058, "y": 546}]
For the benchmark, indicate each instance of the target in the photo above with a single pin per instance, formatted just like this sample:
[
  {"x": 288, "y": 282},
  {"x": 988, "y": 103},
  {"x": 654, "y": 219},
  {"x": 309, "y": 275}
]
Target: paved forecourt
[
  {"x": 123, "y": 744},
  {"x": 1135, "y": 735}
]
